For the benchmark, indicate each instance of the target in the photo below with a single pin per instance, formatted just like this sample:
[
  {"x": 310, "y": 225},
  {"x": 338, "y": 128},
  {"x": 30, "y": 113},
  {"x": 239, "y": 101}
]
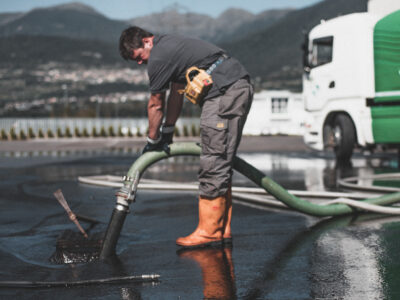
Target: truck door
[{"x": 318, "y": 80}]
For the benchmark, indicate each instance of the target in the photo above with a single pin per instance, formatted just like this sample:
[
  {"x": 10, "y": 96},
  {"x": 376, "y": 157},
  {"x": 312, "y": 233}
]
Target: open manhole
[{"x": 73, "y": 247}]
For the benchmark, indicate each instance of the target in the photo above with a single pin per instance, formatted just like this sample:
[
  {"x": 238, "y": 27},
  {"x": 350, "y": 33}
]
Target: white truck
[{"x": 351, "y": 81}]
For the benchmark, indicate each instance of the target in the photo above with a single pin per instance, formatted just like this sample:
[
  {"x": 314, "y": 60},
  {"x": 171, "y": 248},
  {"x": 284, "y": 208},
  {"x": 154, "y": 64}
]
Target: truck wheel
[
  {"x": 344, "y": 137},
  {"x": 328, "y": 136}
]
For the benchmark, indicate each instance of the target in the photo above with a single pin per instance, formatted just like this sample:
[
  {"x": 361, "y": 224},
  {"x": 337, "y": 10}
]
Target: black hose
[
  {"x": 112, "y": 234},
  {"x": 50, "y": 284}
]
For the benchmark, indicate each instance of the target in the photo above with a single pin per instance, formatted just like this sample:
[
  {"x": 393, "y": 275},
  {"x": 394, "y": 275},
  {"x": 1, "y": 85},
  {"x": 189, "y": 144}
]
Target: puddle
[{"x": 276, "y": 254}]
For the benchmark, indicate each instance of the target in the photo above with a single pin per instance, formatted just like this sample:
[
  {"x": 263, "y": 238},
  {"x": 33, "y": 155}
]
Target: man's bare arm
[
  {"x": 174, "y": 104},
  {"x": 155, "y": 111}
]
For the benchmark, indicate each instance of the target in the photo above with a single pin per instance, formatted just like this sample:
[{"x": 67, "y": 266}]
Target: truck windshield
[{"x": 321, "y": 52}]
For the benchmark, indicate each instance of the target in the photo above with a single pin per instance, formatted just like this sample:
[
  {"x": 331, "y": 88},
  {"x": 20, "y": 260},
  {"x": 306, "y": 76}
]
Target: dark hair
[{"x": 131, "y": 39}]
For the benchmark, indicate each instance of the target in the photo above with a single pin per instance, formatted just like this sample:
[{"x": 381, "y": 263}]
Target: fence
[{"x": 40, "y": 127}]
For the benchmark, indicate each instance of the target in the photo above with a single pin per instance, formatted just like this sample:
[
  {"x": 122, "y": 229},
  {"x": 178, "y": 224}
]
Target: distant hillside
[
  {"x": 72, "y": 20},
  {"x": 274, "y": 54},
  {"x": 228, "y": 33},
  {"x": 268, "y": 44},
  {"x": 9, "y": 17},
  {"x": 76, "y": 6},
  {"x": 227, "y": 26},
  {"x": 229, "y": 21},
  {"x": 172, "y": 21},
  {"x": 31, "y": 51},
  {"x": 75, "y": 20}
]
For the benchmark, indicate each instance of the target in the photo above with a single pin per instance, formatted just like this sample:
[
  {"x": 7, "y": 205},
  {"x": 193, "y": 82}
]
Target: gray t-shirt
[{"x": 172, "y": 55}]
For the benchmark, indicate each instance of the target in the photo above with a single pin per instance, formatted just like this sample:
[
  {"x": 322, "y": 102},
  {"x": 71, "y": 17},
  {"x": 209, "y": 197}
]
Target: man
[{"x": 224, "y": 112}]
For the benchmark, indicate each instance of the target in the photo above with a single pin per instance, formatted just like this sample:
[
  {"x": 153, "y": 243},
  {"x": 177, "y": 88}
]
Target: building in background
[{"x": 275, "y": 112}]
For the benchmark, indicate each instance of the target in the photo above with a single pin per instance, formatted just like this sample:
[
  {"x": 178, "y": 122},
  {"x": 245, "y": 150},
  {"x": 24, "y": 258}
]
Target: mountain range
[
  {"x": 231, "y": 24},
  {"x": 267, "y": 43},
  {"x": 79, "y": 21}
]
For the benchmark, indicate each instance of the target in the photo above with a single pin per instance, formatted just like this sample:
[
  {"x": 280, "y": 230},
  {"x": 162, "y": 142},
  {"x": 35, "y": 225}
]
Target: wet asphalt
[{"x": 276, "y": 254}]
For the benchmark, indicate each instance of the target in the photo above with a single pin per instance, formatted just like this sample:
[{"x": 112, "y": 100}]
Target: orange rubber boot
[
  {"x": 227, "y": 235},
  {"x": 211, "y": 224}
]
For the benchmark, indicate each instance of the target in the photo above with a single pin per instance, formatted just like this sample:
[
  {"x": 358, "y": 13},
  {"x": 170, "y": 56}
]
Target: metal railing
[{"x": 16, "y": 128}]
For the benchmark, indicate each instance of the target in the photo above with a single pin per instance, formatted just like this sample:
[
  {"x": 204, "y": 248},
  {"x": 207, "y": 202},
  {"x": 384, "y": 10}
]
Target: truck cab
[{"x": 345, "y": 63}]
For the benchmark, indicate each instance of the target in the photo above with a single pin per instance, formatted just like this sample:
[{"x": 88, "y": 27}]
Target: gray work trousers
[{"x": 221, "y": 124}]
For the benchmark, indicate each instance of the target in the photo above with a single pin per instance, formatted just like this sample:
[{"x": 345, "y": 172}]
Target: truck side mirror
[{"x": 306, "y": 52}]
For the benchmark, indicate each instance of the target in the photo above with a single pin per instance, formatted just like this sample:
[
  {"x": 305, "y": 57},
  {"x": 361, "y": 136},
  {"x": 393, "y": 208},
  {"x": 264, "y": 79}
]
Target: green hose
[{"x": 149, "y": 158}]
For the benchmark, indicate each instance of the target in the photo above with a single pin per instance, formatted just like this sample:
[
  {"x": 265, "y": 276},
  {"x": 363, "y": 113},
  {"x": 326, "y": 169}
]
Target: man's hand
[{"x": 156, "y": 145}]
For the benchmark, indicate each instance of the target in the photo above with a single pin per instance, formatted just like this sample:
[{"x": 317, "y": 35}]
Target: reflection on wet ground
[{"x": 276, "y": 254}]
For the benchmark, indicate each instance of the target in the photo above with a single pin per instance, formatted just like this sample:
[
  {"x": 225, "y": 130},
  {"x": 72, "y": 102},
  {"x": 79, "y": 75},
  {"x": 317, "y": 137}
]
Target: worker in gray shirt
[{"x": 224, "y": 110}]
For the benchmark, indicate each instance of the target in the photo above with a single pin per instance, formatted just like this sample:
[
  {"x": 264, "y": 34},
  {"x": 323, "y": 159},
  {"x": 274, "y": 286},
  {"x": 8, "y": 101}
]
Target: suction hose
[{"x": 255, "y": 175}]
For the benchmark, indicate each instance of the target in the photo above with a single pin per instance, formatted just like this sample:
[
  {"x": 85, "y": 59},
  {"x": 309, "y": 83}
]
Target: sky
[{"x": 126, "y": 9}]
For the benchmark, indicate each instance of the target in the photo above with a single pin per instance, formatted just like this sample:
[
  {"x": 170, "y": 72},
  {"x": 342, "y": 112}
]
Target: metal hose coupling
[
  {"x": 127, "y": 194},
  {"x": 150, "y": 276}
]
